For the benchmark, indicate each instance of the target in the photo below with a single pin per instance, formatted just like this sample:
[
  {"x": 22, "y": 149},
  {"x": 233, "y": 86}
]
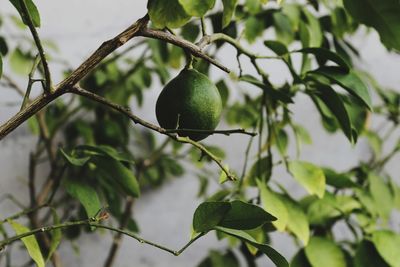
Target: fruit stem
[{"x": 189, "y": 60}]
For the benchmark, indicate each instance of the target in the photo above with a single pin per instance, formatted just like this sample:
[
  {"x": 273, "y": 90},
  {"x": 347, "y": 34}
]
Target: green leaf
[
  {"x": 277, "y": 47},
  {"x": 283, "y": 28},
  {"x": 300, "y": 260},
  {"x": 223, "y": 91},
  {"x": 20, "y": 62},
  {"x": 86, "y": 195},
  {"x": 209, "y": 214},
  {"x": 324, "y": 252},
  {"x": 321, "y": 211},
  {"x": 190, "y": 31},
  {"x": 30, "y": 243},
  {"x": 271, "y": 253},
  {"x": 381, "y": 194},
  {"x": 119, "y": 173},
  {"x": 74, "y": 160},
  {"x": 106, "y": 151},
  {"x": 217, "y": 259},
  {"x": 272, "y": 92},
  {"x": 261, "y": 169},
  {"x": 245, "y": 216},
  {"x": 324, "y": 54},
  {"x": 297, "y": 221},
  {"x": 3, "y": 46},
  {"x": 313, "y": 27},
  {"x": 310, "y": 176},
  {"x": 335, "y": 104},
  {"x": 197, "y": 8},
  {"x": 1, "y": 66},
  {"x": 273, "y": 205},
  {"x": 32, "y": 9},
  {"x": 338, "y": 180},
  {"x": 349, "y": 81},
  {"x": 56, "y": 236},
  {"x": 167, "y": 13},
  {"x": 388, "y": 243},
  {"x": 229, "y": 10},
  {"x": 254, "y": 27},
  {"x": 383, "y": 15},
  {"x": 367, "y": 256},
  {"x": 396, "y": 194}
]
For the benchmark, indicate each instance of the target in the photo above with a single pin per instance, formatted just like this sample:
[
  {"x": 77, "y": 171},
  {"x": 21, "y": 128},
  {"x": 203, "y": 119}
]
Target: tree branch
[
  {"x": 39, "y": 46},
  {"x": 126, "y": 111},
  {"x": 173, "y": 39},
  {"x": 211, "y": 132},
  {"x": 94, "y": 222},
  {"x": 137, "y": 29}
]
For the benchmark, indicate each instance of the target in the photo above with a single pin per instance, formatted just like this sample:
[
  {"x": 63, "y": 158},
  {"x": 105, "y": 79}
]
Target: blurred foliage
[{"x": 103, "y": 160}]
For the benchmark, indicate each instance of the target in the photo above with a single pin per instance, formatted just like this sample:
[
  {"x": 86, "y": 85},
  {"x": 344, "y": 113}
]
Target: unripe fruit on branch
[{"x": 189, "y": 101}]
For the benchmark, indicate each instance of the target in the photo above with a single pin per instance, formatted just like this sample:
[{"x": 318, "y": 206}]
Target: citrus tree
[{"x": 101, "y": 155}]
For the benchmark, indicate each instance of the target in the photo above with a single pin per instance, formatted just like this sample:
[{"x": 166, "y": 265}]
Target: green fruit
[{"x": 189, "y": 101}]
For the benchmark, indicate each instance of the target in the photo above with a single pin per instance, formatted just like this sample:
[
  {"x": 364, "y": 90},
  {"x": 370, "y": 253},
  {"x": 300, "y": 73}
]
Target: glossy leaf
[
  {"x": 209, "y": 214},
  {"x": 367, "y": 256},
  {"x": 197, "y": 8},
  {"x": 30, "y": 243},
  {"x": 74, "y": 160},
  {"x": 338, "y": 180},
  {"x": 349, "y": 81},
  {"x": 245, "y": 216},
  {"x": 324, "y": 54},
  {"x": 217, "y": 259},
  {"x": 300, "y": 260},
  {"x": 381, "y": 194},
  {"x": 383, "y": 15},
  {"x": 310, "y": 176},
  {"x": 3, "y": 46},
  {"x": 32, "y": 9},
  {"x": 229, "y": 10},
  {"x": 324, "y": 252},
  {"x": 261, "y": 169},
  {"x": 277, "y": 47},
  {"x": 271, "y": 253},
  {"x": 335, "y": 104},
  {"x": 254, "y": 27},
  {"x": 272, "y": 203},
  {"x": 283, "y": 28},
  {"x": 275, "y": 94},
  {"x": 119, "y": 173},
  {"x": 86, "y": 195},
  {"x": 388, "y": 243},
  {"x": 313, "y": 27},
  {"x": 106, "y": 151},
  {"x": 167, "y": 13},
  {"x": 1, "y": 66},
  {"x": 297, "y": 221}
]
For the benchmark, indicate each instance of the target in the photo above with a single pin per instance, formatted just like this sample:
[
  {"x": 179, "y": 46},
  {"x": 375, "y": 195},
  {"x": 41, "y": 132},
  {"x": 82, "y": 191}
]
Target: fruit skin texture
[{"x": 192, "y": 98}]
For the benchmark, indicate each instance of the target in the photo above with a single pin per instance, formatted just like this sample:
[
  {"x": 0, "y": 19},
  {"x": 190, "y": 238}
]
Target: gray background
[{"x": 78, "y": 27}]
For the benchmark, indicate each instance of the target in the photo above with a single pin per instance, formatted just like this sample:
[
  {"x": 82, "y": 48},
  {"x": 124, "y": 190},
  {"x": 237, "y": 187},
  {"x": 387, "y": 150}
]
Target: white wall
[{"x": 78, "y": 27}]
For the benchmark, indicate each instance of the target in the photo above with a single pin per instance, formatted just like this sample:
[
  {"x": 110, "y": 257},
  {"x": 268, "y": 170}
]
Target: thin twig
[
  {"x": 137, "y": 29},
  {"x": 211, "y": 132},
  {"x": 94, "y": 222},
  {"x": 208, "y": 39},
  {"x": 39, "y": 46},
  {"x": 31, "y": 81},
  {"x": 192, "y": 48},
  {"x": 203, "y": 26},
  {"x": 126, "y": 111}
]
